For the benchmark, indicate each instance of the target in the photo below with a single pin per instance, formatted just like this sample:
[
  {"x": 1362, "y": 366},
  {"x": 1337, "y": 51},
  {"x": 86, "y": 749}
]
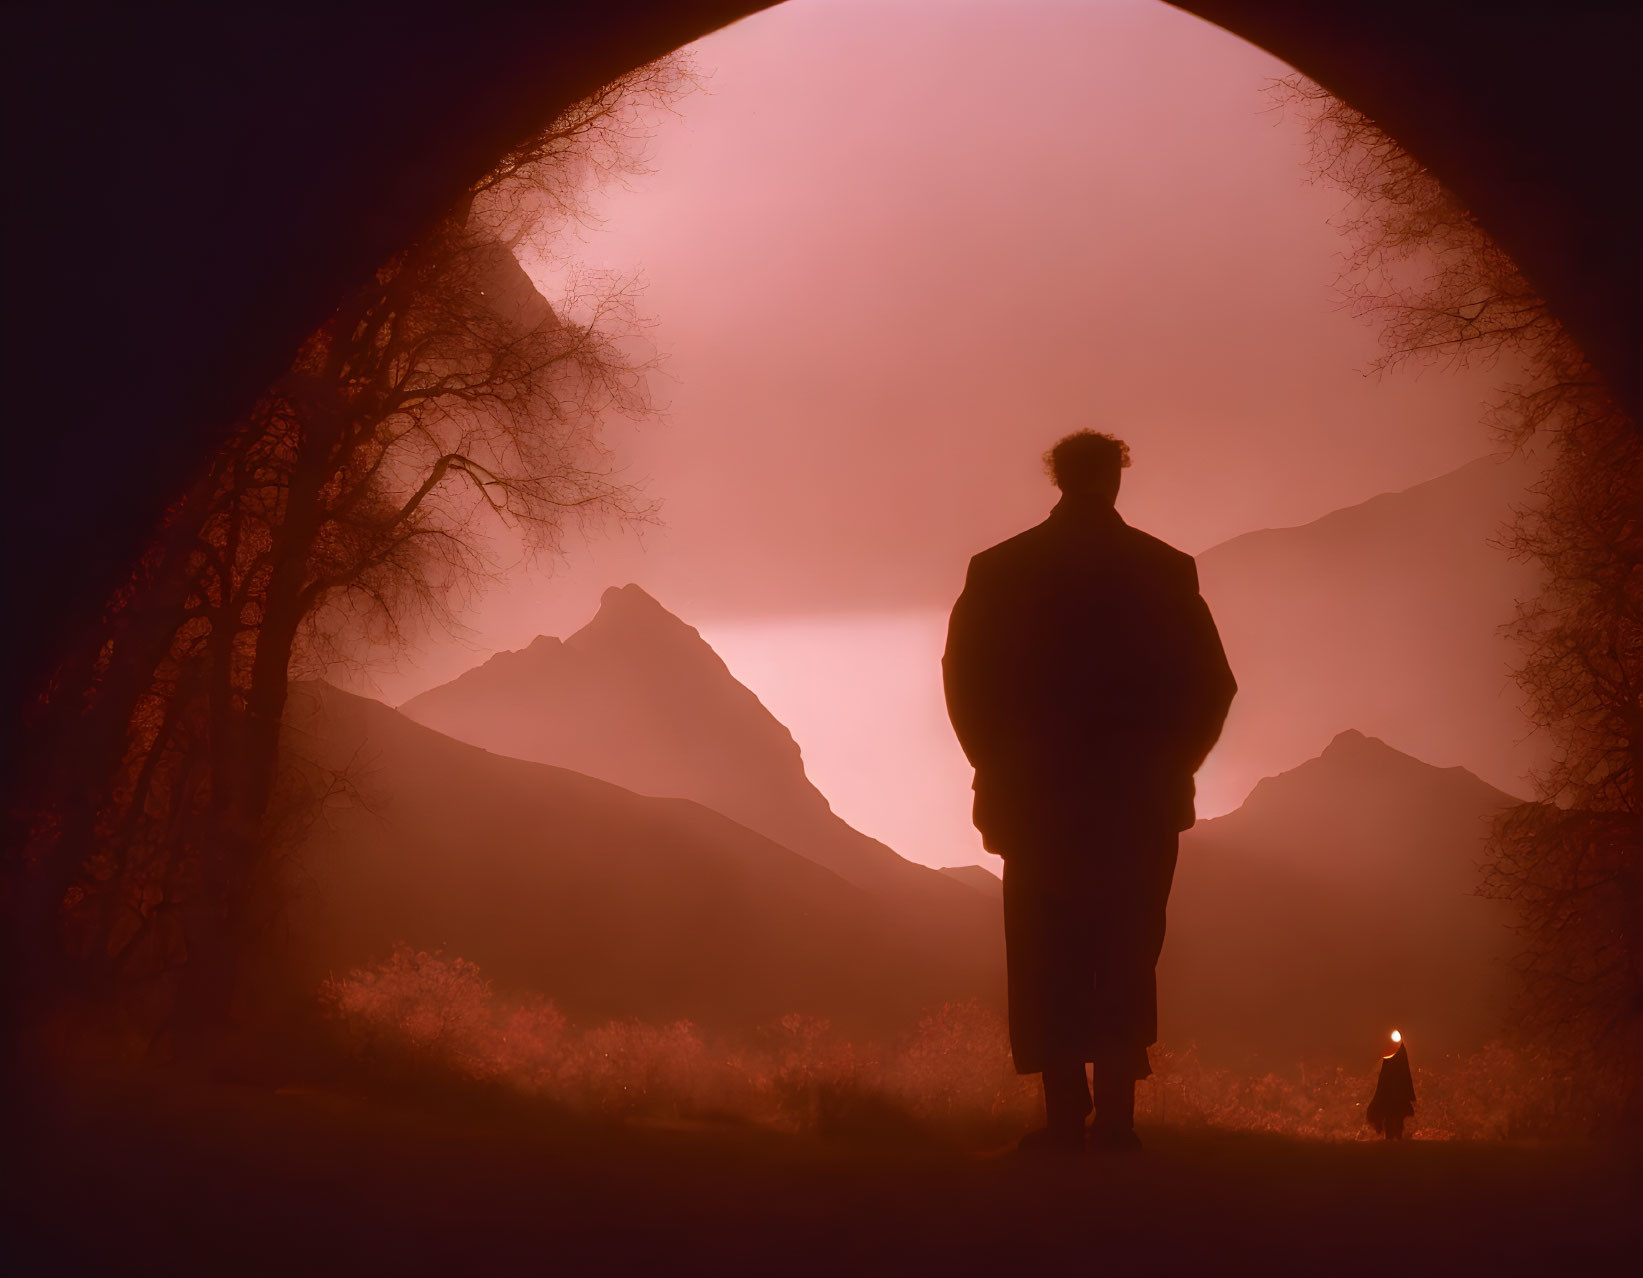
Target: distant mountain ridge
[
  {"x": 614, "y": 904},
  {"x": 1340, "y": 902},
  {"x": 637, "y": 697},
  {"x": 1340, "y": 895},
  {"x": 1387, "y": 616},
  {"x": 979, "y": 877}
]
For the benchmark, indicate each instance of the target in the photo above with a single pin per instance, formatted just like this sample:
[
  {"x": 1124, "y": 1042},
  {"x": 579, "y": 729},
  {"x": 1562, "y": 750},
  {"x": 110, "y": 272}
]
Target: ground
[{"x": 157, "y": 1175}]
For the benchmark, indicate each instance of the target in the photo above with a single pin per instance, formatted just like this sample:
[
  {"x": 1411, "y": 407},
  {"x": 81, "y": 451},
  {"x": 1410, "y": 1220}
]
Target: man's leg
[
  {"x": 1132, "y": 937},
  {"x": 1114, "y": 1125},
  {"x": 1066, "y": 1101},
  {"x": 1050, "y": 987}
]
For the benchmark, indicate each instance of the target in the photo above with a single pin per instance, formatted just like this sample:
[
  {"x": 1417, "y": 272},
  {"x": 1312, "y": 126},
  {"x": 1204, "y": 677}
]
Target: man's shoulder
[
  {"x": 1146, "y": 543},
  {"x": 1163, "y": 558},
  {"x": 1011, "y": 549},
  {"x": 1046, "y": 543}
]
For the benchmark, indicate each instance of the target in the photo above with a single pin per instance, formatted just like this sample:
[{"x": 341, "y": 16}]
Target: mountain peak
[
  {"x": 630, "y": 596},
  {"x": 1351, "y": 743},
  {"x": 1362, "y": 774},
  {"x": 1356, "y": 749},
  {"x": 628, "y": 612},
  {"x": 1358, "y": 752},
  {"x": 638, "y": 698}
]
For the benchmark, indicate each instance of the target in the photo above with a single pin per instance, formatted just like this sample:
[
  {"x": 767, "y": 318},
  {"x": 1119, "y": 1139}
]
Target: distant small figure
[{"x": 1394, "y": 1098}]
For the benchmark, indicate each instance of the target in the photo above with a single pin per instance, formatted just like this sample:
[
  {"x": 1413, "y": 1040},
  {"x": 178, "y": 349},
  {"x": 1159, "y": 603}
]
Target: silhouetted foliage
[
  {"x": 1440, "y": 287},
  {"x": 444, "y": 394}
]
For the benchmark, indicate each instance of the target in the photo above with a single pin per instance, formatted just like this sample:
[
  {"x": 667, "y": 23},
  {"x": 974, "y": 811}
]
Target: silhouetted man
[{"x": 1086, "y": 683}]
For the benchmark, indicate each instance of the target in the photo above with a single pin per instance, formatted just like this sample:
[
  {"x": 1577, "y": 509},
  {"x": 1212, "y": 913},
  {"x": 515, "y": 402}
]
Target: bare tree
[
  {"x": 1440, "y": 288},
  {"x": 443, "y": 395}
]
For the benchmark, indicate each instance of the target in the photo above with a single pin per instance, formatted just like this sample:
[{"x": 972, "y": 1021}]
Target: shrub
[{"x": 424, "y": 1014}]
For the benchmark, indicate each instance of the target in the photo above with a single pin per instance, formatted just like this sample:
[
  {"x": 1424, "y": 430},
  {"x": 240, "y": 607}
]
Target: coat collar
[{"x": 1086, "y": 512}]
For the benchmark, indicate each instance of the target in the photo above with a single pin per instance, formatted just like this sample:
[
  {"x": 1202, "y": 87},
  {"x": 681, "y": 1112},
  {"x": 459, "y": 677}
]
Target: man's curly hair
[{"x": 1086, "y": 459}]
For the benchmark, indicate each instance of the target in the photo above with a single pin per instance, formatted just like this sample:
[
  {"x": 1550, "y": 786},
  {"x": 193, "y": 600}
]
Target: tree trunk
[{"x": 243, "y": 775}]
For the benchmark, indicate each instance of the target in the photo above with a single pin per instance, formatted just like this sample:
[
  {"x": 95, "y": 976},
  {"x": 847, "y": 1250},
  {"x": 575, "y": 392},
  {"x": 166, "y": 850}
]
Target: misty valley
[{"x": 613, "y": 823}]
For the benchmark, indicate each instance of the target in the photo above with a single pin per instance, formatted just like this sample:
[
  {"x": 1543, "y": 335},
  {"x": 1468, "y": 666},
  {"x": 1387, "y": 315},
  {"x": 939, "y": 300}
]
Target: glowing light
[{"x": 1397, "y": 1037}]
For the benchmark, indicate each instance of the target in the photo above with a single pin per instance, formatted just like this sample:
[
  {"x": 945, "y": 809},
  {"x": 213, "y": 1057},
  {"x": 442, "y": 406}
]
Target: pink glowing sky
[{"x": 892, "y": 251}]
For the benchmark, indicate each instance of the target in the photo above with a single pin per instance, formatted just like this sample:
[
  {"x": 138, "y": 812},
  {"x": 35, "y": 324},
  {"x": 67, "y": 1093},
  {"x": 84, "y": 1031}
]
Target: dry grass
[{"x": 423, "y": 1015}]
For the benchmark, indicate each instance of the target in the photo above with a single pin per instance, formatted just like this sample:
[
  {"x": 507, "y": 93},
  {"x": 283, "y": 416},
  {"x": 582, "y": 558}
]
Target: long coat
[
  {"x": 1086, "y": 683},
  {"x": 1084, "y": 677},
  {"x": 1394, "y": 1098}
]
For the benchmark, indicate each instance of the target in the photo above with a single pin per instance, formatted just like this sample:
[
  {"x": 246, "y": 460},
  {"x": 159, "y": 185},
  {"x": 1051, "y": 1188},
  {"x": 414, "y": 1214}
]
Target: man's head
[{"x": 1087, "y": 464}]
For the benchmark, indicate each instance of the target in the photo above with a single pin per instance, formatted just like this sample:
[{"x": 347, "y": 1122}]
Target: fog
[{"x": 888, "y": 260}]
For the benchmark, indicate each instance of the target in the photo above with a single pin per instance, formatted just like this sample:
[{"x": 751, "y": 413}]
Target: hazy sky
[{"x": 892, "y": 251}]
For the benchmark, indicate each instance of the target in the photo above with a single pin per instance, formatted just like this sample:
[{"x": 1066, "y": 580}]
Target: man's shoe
[
  {"x": 1110, "y": 1140},
  {"x": 1048, "y": 1140}
]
